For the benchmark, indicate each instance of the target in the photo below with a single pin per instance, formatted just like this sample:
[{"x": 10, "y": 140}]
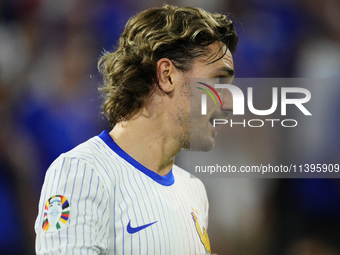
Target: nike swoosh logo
[{"x": 132, "y": 230}]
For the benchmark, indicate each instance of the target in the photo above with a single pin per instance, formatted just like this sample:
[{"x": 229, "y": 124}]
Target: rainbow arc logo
[{"x": 204, "y": 97}]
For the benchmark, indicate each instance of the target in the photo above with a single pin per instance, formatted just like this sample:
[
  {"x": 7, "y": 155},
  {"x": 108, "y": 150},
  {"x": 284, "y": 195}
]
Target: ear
[{"x": 165, "y": 68}]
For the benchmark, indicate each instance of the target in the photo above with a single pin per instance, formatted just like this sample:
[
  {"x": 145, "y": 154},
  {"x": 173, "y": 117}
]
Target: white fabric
[{"x": 106, "y": 192}]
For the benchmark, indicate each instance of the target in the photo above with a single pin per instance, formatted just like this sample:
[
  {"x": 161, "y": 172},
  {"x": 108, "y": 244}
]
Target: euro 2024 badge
[{"x": 56, "y": 214}]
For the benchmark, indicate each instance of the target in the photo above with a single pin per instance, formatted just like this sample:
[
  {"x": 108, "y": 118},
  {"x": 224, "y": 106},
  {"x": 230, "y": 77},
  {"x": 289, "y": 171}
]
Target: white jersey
[{"x": 96, "y": 199}]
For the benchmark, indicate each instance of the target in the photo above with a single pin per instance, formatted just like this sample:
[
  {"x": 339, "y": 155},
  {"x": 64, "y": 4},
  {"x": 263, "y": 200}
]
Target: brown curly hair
[{"x": 179, "y": 34}]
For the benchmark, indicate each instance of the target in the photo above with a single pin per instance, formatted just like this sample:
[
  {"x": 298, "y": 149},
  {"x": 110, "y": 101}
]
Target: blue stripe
[
  {"x": 68, "y": 173},
  {"x": 46, "y": 243},
  {"x": 114, "y": 217},
  {"x": 166, "y": 223},
  {"x": 44, "y": 202},
  {"x": 104, "y": 168},
  {"x": 55, "y": 171},
  {"x": 121, "y": 220},
  {"x": 153, "y": 237},
  {"x": 102, "y": 217},
  {"x": 147, "y": 243},
  {"x": 109, "y": 166},
  {"x": 108, "y": 175},
  {"x": 159, "y": 238},
  {"x": 97, "y": 145},
  {"x": 80, "y": 193},
  {"x": 166, "y": 180},
  {"x": 121, "y": 216},
  {"x": 106, "y": 205},
  {"x": 52, "y": 244},
  {"x": 139, "y": 211},
  {"x": 101, "y": 200},
  {"x": 67, "y": 235},
  {"x": 127, "y": 191},
  {"x": 92, "y": 214},
  {"x": 105, "y": 232},
  {"x": 60, "y": 172},
  {"x": 90, "y": 185}
]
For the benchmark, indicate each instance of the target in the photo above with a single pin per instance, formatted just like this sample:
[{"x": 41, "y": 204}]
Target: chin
[
  {"x": 202, "y": 137},
  {"x": 202, "y": 143}
]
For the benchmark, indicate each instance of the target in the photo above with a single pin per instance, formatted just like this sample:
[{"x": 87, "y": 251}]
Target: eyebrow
[{"x": 228, "y": 70}]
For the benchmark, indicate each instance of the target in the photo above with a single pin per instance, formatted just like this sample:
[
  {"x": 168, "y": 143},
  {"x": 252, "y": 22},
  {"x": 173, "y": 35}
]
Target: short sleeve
[{"x": 73, "y": 213}]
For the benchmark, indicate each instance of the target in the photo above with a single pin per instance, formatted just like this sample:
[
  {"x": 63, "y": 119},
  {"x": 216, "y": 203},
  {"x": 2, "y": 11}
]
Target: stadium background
[{"x": 49, "y": 103}]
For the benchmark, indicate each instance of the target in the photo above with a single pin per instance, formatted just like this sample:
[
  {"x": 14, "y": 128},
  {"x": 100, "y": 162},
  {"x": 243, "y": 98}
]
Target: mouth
[
  {"x": 218, "y": 115},
  {"x": 211, "y": 120}
]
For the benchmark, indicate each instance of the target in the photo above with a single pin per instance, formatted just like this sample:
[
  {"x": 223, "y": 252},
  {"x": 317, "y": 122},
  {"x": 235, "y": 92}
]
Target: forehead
[{"x": 217, "y": 62}]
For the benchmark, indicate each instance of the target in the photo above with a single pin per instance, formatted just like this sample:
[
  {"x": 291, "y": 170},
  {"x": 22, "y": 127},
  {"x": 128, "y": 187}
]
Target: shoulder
[
  {"x": 86, "y": 151},
  {"x": 93, "y": 157},
  {"x": 83, "y": 188}
]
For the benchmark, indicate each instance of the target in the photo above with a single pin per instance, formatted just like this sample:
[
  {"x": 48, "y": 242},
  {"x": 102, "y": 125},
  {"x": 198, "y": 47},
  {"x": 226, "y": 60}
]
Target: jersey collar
[{"x": 166, "y": 180}]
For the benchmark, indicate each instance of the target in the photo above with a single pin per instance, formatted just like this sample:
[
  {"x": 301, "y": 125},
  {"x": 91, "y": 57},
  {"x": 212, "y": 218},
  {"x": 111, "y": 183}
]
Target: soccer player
[{"x": 120, "y": 192}]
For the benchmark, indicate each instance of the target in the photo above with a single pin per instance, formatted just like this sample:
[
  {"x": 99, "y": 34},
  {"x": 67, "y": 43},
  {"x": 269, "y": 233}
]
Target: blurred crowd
[{"x": 49, "y": 103}]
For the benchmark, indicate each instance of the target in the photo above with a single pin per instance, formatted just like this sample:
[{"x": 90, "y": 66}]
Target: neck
[{"x": 149, "y": 142}]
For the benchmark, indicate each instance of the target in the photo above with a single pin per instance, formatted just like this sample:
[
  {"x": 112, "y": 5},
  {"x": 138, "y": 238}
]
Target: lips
[
  {"x": 217, "y": 115},
  {"x": 211, "y": 121}
]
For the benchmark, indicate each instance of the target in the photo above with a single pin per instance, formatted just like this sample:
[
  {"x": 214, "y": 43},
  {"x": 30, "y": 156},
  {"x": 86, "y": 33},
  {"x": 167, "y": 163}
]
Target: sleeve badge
[{"x": 56, "y": 214}]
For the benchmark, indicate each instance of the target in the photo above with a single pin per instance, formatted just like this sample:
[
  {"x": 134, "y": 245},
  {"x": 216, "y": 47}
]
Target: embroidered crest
[
  {"x": 202, "y": 232},
  {"x": 57, "y": 212}
]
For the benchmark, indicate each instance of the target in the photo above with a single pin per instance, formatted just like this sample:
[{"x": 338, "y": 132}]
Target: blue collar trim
[{"x": 166, "y": 180}]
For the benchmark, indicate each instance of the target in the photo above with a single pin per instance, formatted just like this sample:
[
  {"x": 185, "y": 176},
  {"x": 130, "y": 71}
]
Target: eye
[
  {"x": 223, "y": 79},
  {"x": 219, "y": 79}
]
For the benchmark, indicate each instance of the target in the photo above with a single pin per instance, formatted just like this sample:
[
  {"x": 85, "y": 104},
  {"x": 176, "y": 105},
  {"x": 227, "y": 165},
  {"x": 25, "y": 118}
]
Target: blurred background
[{"x": 49, "y": 103}]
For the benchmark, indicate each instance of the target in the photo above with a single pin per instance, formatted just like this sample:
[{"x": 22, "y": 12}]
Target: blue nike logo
[{"x": 132, "y": 230}]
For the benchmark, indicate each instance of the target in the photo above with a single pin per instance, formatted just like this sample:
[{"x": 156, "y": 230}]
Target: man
[{"x": 120, "y": 191}]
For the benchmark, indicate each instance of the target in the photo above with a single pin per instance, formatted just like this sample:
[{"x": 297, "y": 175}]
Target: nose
[{"x": 227, "y": 100}]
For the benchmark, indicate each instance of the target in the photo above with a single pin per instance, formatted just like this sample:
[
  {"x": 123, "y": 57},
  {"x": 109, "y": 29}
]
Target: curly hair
[{"x": 179, "y": 34}]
